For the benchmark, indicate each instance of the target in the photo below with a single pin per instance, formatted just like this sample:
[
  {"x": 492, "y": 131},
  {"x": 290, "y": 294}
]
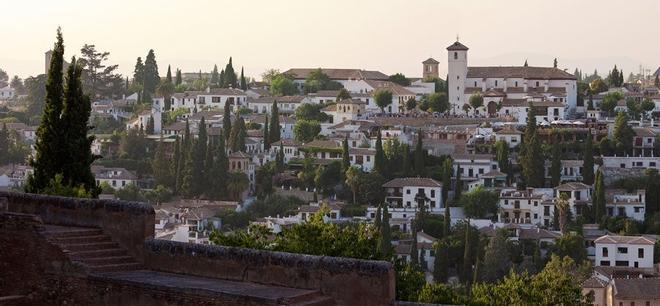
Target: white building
[
  {"x": 624, "y": 251},
  {"x": 343, "y": 76},
  {"x": 631, "y": 162},
  {"x": 404, "y": 195},
  {"x": 618, "y": 202},
  {"x": 579, "y": 196},
  {"x": 530, "y": 206},
  {"x": 510, "y": 135},
  {"x": 473, "y": 166},
  {"x": 499, "y": 84},
  {"x": 347, "y": 109},
  {"x": 399, "y": 94},
  {"x": 7, "y": 93},
  {"x": 217, "y": 97},
  {"x": 117, "y": 178}
]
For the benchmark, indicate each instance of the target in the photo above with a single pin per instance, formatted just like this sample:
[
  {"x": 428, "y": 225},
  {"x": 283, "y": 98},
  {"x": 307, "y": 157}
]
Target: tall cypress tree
[
  {"x": 467, "y": 256},
  {"x": 441, "y": 262},
  {"x": 266, "y": 134},
  {"x": 243, "y": 82},
  {"x": 274, "y": 123},
  {"x": 76, "y": 171},
  {"x": 345, "y": 156},
  {"x": 379, "y": 159},
  {"x": 179, "y": 79},
  {"x": 50, "y": 152},
  {"x": 378, "y": 217},
  {"x": 187, "y": 180},
  {"x": 419, "y": 154},
  {"x": 219, "y": 170},
  {"x": 175, "y": 166},
  {"x": 169, "y": 74},
  {"x": 215, "y": 76},
  {"x": 198, "y": 158},
  {"x": 599, "y": 197},
  {"x": 588, "y": 167},
  {"x": 4, "y": 144},
  {"x": 446, "y": 183},
  {"x": 531, "y": 158},
  {"x": 458, "y": 187},
  {"x": 230, "y": 75},
  {"x": 226, "y": 120},
  {"x": 555, "y": 167},
  {"x": 238, "y": 134},
  {"x": 385, "y": 243},
  {"x": 414, "y": 260},
  {"x": 406, "y": 166},
  {"x": 151, "y": 77},
  {"x": 279, "y": 159}
]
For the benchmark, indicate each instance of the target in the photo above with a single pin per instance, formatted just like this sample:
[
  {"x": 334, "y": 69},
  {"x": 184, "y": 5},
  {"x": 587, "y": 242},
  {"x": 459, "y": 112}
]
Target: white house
[
  {"x": 289, "y": 146},
  {"x": 624, "y": 251},
  {"x": 343, "y": 76},
  {"x": 425, "y": 250},
  {"x": 285, "y": 104},
  {"x": 404, "y": 195},
  {"x": 362, "y": 157},
  {"x": 504, "y": 83},
  {"x": 217, "y": 97},
  {"x": 347, "y": 109},
  {"x": 7, "y": 93},
  {"x": 473, "y": 166},
  {"x": 116, "y": 177},
  {"x": 510, "y": 135},
  {"x": 618, "y": 202},
  {"x": 579, "y": 196},
  {"x": 531, "y": 206},
  {"x": 399, "y": 94},
  {"x": 631, "y": 162}
]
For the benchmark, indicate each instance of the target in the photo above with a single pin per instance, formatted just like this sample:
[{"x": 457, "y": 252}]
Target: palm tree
[
  {"x": 165, "y": 89},
  {"x": 353, "y": 181},
  {"x": 562, "y": 208},
  {"x": 237, "y": 183}
]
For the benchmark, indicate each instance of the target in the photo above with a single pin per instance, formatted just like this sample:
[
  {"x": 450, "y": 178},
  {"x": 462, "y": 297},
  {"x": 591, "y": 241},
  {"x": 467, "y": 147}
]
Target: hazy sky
[{"x": 387, "y": 35}]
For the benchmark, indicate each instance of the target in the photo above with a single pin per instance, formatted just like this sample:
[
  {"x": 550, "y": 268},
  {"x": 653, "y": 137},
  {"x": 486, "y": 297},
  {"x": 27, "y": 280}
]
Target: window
[
  {"x": 605, "y": 263},
  {"x": 516, "y": 83},
  {"x": 622, "y": 250},
  {"x": 432, "y": 193},
  {"x": 605, "y": 252},
  {"x": 640, "y": 253},
  {"x": 455, "y": 55},
  {"x": 495, "y": 83},
  {"x": 407, "y": 191},
  {"x": 537, "y": 84}
]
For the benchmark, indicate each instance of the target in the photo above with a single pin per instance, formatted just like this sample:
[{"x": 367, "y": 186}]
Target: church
[{"x": 508, "y": 87}]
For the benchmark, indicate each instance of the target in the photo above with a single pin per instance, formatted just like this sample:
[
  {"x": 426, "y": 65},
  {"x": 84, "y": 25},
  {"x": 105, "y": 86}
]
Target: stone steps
[{"x": 91, "y": 248}]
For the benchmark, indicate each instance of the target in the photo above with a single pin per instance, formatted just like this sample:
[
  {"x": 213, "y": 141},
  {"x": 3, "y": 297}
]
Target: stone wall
[
  {"x": 348, "y": 281},
  {"x": 128, "y": 223}
]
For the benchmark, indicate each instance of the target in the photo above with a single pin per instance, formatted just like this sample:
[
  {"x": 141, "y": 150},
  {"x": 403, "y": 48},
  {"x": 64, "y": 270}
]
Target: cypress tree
[
  {"x": 441, "y": 262},
  {"x": 279, "y": 161},
  {"x": 209, "y": 162},
  {"x": 446, "y": 183},
  {"x": 378, "y": 217},
  {"x": 406, "y": 160},
  {"x": 413, "y": 246},
  {"x": 379, "y": 159},
  {"x": 599, "y": 197},
  {"x": 151, "y": 77},
  {"x": 531, "y": 157},
  {"x": 459, "y": 184},
  {"x": 266, "y": 141},
  {"x": 274, "y": 123},
  {"x": 238, "y": 134},
  {"x": 243, "y": 82},
  {"x": 219, "y": 170},
  {"x": 77, "y": 171},
  {"x": 214, "y": 75},
  {"x": 187, "y": 181},
  {"x": 226, "y": 120},
  {"x": 467, "y": 255},
  {"x": 419, "y": 154},
  {"x": 555, "y": 167},
  {"x": 4, "y": 144},
  {"x": 50, "y": 153},
  {"x": 230, "y": 75},
  {"x": 385, "y": 243},
  {"x": 179, "y": 79},
  {"x": 345, "y": 158},
  {"x": 150, "y": 126},
  {"x": 198, "y": 158},
  {"x": 175, "y": 166},
  {"x": 169, "y": 74},
  {"x": 222, "y": 79},
  {"x": 588, "y": 168},
  {"x": 138, "y": 72},
  {"x": 160, "y": 165}
]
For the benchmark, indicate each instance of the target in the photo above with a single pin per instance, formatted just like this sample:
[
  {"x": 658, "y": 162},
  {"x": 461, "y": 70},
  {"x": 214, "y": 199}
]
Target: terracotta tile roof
[
  {"x": 473, "y": 156},
  {"x": 239, "y": 154},
  {"x": 614, "y": 239},
  {"x": 361, "y": 151},
  {"x": 637, "y": 288},
  {"x": 286, "y": 142},
  {"x": 325, "y": 144},
  {"x": 457, "y": 46},
  {"x": 540, "y": 73},
  {"x": 430, "y": 60},
  {"x": 412, "y": 181},
  {"x": 223, "y": 92},
  {"x": 594, "y": 282},
  {"x": 396, "y": 89},
  {"x": 572, "y": 186},
  {"x": 351, "y": 101}
]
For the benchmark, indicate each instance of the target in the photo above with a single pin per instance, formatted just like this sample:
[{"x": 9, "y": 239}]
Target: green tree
[
  {"x": 458, "y": 188},
  {"x": 379, "y": 159},
  {"x": 178, "y": 79},
  {"x": 238, "y": 135},
  {"x": 317, "y": 80},
  {"x": 50, "y": 154},
  {"x": 647, "y": 105},
  {"x": 274, "y": 123},
  {"x": 610, "y": 101},
  {"x": 309, "y": 111},
  {"x": 466, "y": 271},
  {"x": 623, "y": 134},
  {"x": 99, "y": 79},
  {"x": 400, "y": 79},
  {"x": 531, "y": 156},
  {"x": 199, "y": 156},
  {"x": 4, "y": 144},
  {"x": 496, "y": 258},
  {"x": 414, "y": 259},
  {"x": 175, "y": 166},
  {"x": 279, "y": 159},
  {"x": 345, "y": 157},
  {"x": 555, "y": 167},
  {"x": 466, "y": 108},
  {"x": 160, "y": 166},
  {"x": 383, "y": 98},
  {"x": 479, "y": 203},
  {"x": 244, "y": 85},
  {"x": 151, "y": 77},
  {"x": 562, "y": 206},
  {"x": 385, "y": 239},
  {"x": 441, "y": 261},
  {"x": 219, "y": 170},
  {"x": 411, "y": 104},
  {"x": 598, "y": 197},
  {"x": 438, "y": 102},
  {"x": 598, "y": 86},
  {"x": 419, "y": 154},
  {"x": 237, "y": 183},
  {"x": 215, "y": 76},
  {"x": 138, "y": 72},
  {"x": 306, "y": 130},
  {"x": 476, "y": 101},
  {"x": 266, "y": 134},
  {"x": 378, "y": 217},
  {"x": 343, "y": 95},
  {"x": 230, "y": 79},
  {"x": 352, "y": 180},
  {"x": 282, "y": 85},
  {"x": 446, "y": 183},
  {"x": 588, "y": 169},
  {"x": 226, "y": 121},
  {"x": 570, "y": 245},
  {"x": 502, "y": 155},
  {"x": 168, "y": 76}
]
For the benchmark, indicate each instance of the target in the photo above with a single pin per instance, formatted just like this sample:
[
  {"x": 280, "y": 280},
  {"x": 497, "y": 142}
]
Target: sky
[{"x": 386, "y": 35}]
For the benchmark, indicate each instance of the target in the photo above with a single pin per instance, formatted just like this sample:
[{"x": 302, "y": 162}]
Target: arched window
[{"x": 455, "y": 55}]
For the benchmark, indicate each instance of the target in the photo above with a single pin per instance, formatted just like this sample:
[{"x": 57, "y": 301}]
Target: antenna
[{"x": 457, "y": 38}]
